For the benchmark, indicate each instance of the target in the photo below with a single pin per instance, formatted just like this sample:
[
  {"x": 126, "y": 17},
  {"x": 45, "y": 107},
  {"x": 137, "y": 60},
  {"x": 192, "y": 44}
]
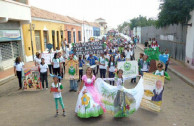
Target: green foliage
[
  {"x": 122, "y": 26},
  {"x": 141, "y": 21},
  {"x": 175, "y": 12}
]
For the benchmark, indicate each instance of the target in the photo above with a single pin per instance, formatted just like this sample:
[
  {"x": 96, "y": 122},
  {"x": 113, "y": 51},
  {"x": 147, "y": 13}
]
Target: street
[{"x": 19, "y": 108}]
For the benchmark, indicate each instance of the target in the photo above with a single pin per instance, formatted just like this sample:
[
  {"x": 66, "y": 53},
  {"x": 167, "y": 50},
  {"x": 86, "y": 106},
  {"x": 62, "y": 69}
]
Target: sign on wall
[
  {"x": 10, "y": 35},
  {"x": 88, "y": 48},
  {"x": 130, "y": 68}
]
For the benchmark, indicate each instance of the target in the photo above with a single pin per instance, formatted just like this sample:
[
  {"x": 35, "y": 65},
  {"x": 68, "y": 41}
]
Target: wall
[
  {"x": 14, "y": 10},
  {"x": 72, "y": 28},
  {"x": 190, "y": 42},
  {"x": 88, "y": 32},
  {"x": 40, "y": 25},
  {"x": 172, "y": 37},
  {"x": 137, "y": 32}
]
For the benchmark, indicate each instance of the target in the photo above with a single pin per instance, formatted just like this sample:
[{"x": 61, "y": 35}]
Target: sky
[{"x": 115, "y": 12}]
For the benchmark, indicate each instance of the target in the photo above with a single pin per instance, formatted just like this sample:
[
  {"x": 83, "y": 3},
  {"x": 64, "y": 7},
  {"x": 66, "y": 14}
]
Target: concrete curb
[
  {"x": 5, "y": 80},
  {"x": 184, "y": 78}
]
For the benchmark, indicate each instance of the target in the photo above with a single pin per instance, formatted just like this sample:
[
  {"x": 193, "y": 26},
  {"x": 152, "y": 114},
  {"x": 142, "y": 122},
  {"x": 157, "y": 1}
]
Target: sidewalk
[
  {"x": 179, "y": 69},
  {"x": 9, "y": 73}
]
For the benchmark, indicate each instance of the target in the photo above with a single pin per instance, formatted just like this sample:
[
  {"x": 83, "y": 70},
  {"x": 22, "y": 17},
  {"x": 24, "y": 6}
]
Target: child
[
  {"x": 122, "y": 95},
  {"x": 161, "y": 72},
  {"x": 144, "y": 64},
  {"x": 57, "y": 95}
]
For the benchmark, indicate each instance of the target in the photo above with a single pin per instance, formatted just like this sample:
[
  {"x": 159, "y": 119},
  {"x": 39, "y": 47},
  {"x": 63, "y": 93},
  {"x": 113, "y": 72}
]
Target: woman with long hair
[
  {"x": 111, "y": 69},
  {"x": 56, "y": 65},
  {"x": 18, "y": 66},
  {"x": 43, "y": 73}
]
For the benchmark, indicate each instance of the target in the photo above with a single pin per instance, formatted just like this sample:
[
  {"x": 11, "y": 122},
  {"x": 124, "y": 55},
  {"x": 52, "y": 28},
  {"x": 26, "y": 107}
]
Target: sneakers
[
  {"x": 56, "y": 114},
  {"x": 64, "y": 113}
]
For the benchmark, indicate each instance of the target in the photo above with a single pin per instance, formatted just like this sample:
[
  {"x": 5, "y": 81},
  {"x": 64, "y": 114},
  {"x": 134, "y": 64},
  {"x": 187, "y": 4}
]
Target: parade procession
[{"x": 60, "y": 70}]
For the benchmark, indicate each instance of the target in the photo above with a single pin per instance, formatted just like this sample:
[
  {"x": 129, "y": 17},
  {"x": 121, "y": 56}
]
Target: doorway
[{"x": 53, "y": 40}]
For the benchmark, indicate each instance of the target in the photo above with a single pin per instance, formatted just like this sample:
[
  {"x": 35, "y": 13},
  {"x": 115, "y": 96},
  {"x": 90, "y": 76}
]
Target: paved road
[{"x": 19, "y": 108}]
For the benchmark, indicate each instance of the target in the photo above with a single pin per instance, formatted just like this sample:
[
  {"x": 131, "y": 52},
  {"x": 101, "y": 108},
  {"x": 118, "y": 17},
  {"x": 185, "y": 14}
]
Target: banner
[
  {"x": 130, "y": 68},
  {"x": 71, "y": 70},
  {"x": 88, "y": 48},
  {"x": 153, "y": 91},
  {"x": 47, "y": 57},
  {"x": 31, "y": 79}
]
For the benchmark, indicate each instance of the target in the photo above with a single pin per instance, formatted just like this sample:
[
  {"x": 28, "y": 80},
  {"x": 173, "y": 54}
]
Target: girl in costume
[
  {"x": 118, "y": 100},
  {"x": 56, "y": 88},
  {"x": 89, "y": 100},
  {"x": 161, "y": 72}
]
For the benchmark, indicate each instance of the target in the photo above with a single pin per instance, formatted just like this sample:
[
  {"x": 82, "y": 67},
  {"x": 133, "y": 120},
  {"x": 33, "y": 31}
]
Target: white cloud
[{"x": 114, "y": 11}]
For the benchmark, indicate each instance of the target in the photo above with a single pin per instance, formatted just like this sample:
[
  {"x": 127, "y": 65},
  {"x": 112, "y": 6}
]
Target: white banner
[{"x": 130, "y": 68}]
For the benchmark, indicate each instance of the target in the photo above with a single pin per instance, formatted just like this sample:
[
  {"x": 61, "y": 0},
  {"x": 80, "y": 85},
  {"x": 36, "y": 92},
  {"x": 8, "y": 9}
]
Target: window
[
  {"x": 53, "y": 39},
  {"x": 45, "y": 39},
  {"x": 58, "y": 39},
  {"x": 37, "y": 40},
  {"x": 69, "y": 36},
  {"x": 79, "y": 35}
]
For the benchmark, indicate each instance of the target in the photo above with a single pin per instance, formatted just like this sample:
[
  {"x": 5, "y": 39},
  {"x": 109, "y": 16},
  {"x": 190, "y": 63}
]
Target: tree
[
  {"x": 175, "y": 12},
  {"x": 141, "y": 21}
]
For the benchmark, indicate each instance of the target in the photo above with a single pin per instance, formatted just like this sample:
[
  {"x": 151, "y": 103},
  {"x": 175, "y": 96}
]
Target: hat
[{"x": 52, "y": 75}]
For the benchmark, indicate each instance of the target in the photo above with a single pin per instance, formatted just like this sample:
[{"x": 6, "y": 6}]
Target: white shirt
[
  {"x": 161, "y": 73},
  {"x": 62, "y": 59},
  {"x": 19, "y": 66},
  {"x": 67, "y": 52},
  {"x": 38, "y": 61},
  {"x": 56, "y": 63},
  {"x": 145, "y": 67},
  {"x": 43, "y": 68},
  {"x": 56, "y": 94},
  {"x": 128, "y": 54},
  {"x": 102, "y": 61},
  {"x": 112, "y": 67}
]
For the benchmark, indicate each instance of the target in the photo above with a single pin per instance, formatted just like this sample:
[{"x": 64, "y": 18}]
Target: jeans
[
  {"x": 43, "y": 77},
  {"x": 60, "y": 101},
  {"x": 19, "y": 75},
  {"x": 73, "y": 85},
  {"x": 112, "y": 75},
  {"x": 50, "y": 68},
  {"x": 102, "y": 73},
  {"x": 166, "y": 66},
  {"x": 80, "y": 74},
  {"x": 56, "y": 71}
]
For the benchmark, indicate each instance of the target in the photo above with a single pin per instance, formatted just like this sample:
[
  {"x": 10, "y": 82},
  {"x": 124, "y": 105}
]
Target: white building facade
[
  {"x": 190, "y": 42},
  {"x": 87, "y": 31},
  {"x": 12, "y": 15}
]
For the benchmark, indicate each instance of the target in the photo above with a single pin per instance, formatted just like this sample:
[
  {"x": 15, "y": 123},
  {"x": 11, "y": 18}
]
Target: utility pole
[{"x": 32, "y": 29}]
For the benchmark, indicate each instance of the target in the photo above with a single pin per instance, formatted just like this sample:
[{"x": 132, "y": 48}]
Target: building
[
  {"x": 189, "y": 59},
  {"x": 48, "y": 27},
  {"x": 96, "y": 29},
  {"x": 137, "y": 33},
  {"x": 103, "y": 25},
  {"x": 11, "y": 37},
  {"x": 87, "y": 29}
]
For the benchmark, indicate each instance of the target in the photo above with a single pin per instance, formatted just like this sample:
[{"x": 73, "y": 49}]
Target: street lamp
[{"x": 32, "y": 27}]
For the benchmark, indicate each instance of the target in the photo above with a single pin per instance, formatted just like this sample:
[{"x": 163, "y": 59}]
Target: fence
[{"x": 172, "y": 38}]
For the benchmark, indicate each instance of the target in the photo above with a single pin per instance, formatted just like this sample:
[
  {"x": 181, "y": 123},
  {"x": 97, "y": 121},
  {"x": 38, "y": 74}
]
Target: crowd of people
[{"x": 116, "y": 50}]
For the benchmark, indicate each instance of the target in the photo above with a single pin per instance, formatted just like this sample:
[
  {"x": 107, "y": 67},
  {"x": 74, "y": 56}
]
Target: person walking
[
  {"x": 18, "y": 67},
  {"x": 43, "y": 67}
]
